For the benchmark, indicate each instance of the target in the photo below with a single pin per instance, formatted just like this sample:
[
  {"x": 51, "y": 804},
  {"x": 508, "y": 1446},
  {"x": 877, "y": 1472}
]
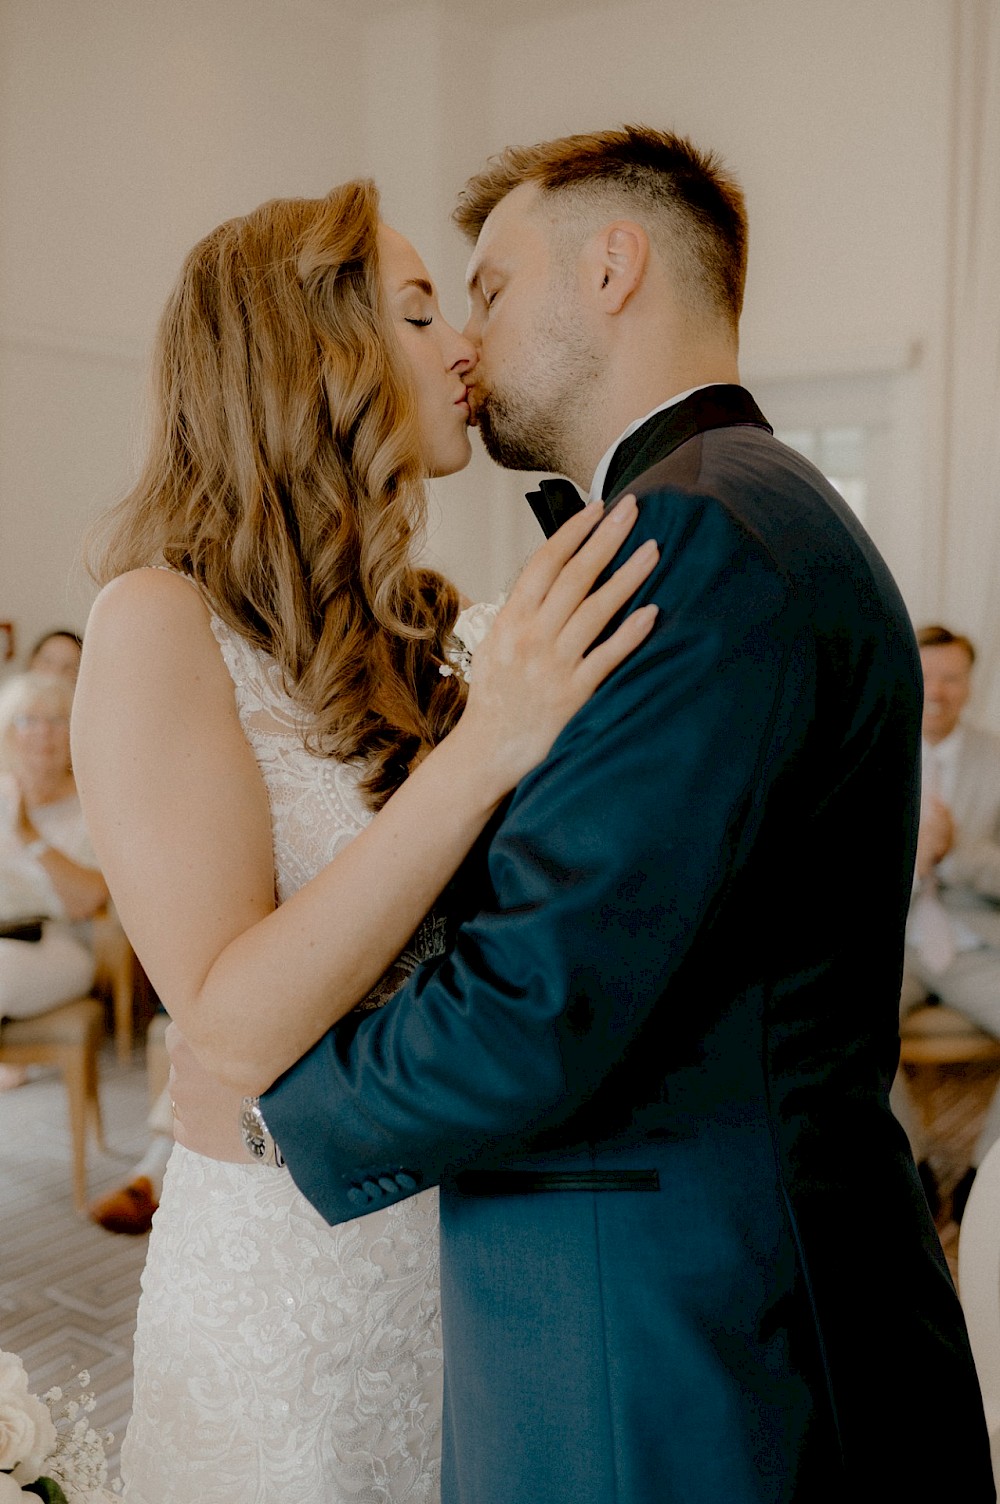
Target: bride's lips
[{"x": 469, "y": 402}]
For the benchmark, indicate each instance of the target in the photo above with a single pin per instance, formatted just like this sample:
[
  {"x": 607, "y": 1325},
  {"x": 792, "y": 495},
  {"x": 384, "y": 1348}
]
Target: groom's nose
[{"x": 473, "y": 331}]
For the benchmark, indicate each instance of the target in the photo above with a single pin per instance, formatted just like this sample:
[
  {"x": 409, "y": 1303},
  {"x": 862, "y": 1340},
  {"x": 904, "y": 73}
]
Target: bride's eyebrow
[{"x": 419, "y": 283}]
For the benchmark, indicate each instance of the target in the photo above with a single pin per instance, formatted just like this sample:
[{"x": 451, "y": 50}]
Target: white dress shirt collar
[{"x": 601, "y": 473}]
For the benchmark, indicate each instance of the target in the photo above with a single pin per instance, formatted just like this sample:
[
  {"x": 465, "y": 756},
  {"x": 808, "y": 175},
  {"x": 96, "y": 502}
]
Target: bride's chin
[{"x": 453, "y": 463}]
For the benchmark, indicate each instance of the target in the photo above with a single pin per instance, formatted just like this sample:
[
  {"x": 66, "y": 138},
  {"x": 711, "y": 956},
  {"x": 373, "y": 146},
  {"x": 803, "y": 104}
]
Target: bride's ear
[{"x": 617, "y": 263}]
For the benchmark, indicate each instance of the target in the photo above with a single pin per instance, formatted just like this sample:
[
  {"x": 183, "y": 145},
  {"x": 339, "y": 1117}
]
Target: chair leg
[
  {"x": 94, "y": 1097},
  {"x": 75, "y": 1075},
  {"x": 927, "y": 1096},
  {"x": 124, "y": 1010}
]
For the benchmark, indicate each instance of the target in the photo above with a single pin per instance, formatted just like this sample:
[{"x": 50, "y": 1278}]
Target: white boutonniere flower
[{"x": 471, "y": 627}]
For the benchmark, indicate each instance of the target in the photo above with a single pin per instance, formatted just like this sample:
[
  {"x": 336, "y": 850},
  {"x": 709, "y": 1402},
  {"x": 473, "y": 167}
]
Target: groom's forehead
[{"x": 511, "y": 230}]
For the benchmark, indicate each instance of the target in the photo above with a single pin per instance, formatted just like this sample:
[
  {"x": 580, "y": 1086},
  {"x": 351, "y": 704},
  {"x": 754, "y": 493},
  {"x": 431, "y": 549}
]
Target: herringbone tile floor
[{"x": 68, "y": 1290}]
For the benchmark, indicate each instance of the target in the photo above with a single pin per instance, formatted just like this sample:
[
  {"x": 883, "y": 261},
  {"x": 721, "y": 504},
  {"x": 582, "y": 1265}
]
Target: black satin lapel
[{"x": 712, "y": 407}]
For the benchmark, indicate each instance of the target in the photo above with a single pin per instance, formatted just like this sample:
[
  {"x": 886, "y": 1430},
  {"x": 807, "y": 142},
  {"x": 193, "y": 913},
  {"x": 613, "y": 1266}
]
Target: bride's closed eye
[{"x": 420, "y": 323}]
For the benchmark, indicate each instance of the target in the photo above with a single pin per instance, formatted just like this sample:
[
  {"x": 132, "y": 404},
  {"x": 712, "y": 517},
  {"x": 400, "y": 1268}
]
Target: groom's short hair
[{"x": 654, "y": 176}]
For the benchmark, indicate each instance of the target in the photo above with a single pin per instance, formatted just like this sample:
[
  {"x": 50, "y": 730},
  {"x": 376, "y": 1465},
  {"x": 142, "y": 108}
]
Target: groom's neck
[{"x": 628, "y": 393}]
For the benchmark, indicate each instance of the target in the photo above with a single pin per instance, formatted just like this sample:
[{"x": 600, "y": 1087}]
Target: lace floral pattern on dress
[{"x": 279, "y": 1359}]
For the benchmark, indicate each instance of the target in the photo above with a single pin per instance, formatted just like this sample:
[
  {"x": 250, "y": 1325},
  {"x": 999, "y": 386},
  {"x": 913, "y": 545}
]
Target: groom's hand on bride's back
[{"x": 206, "y": 1110}]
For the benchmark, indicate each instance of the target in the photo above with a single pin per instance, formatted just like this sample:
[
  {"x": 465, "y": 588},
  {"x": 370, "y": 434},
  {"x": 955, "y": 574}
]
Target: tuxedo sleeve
[{"x": 604, "y": 868}]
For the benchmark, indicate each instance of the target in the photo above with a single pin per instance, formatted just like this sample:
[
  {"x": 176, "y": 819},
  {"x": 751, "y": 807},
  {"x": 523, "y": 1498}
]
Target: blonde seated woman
[
  {"x": 282, "y": 772},
  {"x": 47, "y": 866}
]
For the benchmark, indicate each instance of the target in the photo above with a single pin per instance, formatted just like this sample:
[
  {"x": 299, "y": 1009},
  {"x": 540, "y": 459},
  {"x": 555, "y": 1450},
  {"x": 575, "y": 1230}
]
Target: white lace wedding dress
[{"x": 279, "y": 1360}]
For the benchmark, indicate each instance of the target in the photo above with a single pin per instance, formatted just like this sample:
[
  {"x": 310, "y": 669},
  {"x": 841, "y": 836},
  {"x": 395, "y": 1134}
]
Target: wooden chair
[
  {"x": 67, "y": 1037},
  {"x": 935, "y": 1038},
  {"x": 935, "y": 1034}
]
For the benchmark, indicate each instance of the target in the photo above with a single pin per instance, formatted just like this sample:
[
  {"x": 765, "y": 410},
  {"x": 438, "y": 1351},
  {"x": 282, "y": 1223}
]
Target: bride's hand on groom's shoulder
[
  {"x": 538, "y": 667},
  {"x": 206, "y": 1111}
]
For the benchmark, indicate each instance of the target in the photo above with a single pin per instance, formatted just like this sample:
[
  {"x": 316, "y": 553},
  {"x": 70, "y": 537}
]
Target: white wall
[
  {"x": 129, "y": 127},
  {"x": 835, "y": 115}
]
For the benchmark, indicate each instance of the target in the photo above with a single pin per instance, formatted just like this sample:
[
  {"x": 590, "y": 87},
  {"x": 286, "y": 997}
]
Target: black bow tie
[
  {"x": 553, "y": 503},
  {"x": 719, "y": 406}
]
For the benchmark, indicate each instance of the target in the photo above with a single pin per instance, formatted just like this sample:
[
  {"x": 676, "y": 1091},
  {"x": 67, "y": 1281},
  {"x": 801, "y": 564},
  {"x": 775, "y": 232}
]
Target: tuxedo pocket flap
[{"x": 533, "y": 1182}]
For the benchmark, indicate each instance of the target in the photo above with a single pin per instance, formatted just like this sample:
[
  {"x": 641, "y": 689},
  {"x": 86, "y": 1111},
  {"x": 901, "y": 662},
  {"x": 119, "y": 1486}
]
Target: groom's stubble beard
[
  {"x": 531, "y": 420},
  {"x": 516, "y": 436}
]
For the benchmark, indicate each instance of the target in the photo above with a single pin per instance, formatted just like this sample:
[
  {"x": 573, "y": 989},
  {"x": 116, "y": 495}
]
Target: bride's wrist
[{"x": 474, "y": 771}]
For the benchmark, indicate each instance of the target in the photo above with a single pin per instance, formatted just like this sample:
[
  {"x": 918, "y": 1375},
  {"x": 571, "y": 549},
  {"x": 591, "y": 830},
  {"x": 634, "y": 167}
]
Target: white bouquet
[{"x": 33, "y": 1436}]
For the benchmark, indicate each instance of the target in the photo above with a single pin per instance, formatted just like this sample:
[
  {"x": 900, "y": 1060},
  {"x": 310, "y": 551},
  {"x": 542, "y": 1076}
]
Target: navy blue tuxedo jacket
[{"x": 685, "y": 1256}]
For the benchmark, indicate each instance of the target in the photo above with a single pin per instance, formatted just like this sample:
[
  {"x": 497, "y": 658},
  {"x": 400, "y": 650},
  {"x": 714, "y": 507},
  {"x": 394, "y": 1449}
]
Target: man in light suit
[
  {"x": 633, "y": 1075},
  {"x": 953, "y": 933}
]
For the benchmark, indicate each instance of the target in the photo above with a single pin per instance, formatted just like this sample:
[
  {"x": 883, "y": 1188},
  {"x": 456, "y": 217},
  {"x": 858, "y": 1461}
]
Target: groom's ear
[{"x": 620, "y": 253}]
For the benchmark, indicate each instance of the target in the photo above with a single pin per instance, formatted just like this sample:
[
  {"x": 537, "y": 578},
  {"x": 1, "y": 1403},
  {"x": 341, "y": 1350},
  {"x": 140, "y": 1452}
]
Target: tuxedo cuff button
[
  {"x": 406, "y": 1181},
  {"x": 356, "y": 1196}
]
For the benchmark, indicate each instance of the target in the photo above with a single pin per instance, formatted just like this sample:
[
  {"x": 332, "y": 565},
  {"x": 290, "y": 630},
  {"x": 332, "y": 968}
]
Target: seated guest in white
[
  {"x": 953, "y": 932},
  {"x": 130, "y": 1207},
  {"x": 47, "y": 867}
]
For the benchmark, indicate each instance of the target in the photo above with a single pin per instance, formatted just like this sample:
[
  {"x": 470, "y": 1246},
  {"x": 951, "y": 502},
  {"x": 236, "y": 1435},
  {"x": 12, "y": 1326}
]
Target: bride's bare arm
[{"x": 179, "y": 817}]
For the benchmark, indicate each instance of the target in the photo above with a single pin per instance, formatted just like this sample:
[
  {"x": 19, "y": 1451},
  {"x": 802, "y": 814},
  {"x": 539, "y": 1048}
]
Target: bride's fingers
[
  {"x": 600, "y": 661},
  {"x": 572, "y": 558},
  {"x": 535, "y": 580},
  {"x": 594, "y": 612},
  {"x": 578, "y": 574}
]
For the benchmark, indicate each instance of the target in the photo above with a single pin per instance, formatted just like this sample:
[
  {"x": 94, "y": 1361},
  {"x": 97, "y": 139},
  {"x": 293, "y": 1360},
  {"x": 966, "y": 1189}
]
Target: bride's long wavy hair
[{"x": 284, "y": 475}]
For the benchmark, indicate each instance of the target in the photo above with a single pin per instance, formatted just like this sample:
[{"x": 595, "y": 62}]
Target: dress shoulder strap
[{"x": 256, "y": 676}]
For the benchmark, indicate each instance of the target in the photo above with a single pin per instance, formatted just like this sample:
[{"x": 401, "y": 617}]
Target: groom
[{"x": 685, "y": 1255}]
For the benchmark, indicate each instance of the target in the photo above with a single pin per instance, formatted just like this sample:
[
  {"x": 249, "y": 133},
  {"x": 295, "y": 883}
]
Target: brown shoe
[{"x": 129, "y": 1209}]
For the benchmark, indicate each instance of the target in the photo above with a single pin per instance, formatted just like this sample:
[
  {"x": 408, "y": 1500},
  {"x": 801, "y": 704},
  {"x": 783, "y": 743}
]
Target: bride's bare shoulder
[
  {"x": 148, "y": 602},
  {"x": 153, "y": 623},
  {"x": 140, "y": 590}
]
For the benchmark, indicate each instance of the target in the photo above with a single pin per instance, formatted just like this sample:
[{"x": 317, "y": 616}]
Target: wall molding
[
  {"x": 797, "y": 364},
  {"x": 109, "y": 349}
]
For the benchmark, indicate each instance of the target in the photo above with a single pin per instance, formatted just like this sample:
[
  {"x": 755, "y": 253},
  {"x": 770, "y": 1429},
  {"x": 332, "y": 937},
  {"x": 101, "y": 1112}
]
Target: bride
[{"x": 282, "y": 767}]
